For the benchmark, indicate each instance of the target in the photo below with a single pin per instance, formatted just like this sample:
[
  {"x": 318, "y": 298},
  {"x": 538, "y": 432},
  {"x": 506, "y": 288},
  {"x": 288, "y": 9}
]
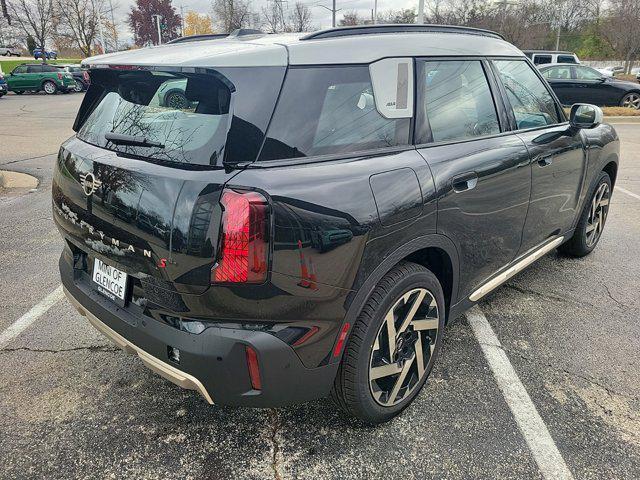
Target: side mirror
[{"x": 584, "y": 115}]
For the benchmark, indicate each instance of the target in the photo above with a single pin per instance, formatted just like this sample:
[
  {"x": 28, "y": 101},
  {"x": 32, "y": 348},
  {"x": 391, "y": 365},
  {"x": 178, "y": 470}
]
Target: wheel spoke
[
  {"x": 414, "y": 308},
  {"x": 403, "y": 374},
  {"x": 385, "y": 371},
  {"x": 590, "y": 227},
  {"x": 419, "y": 356},
  {"x": 390, "y": 320},
  {"x": 427, "y": 324}
]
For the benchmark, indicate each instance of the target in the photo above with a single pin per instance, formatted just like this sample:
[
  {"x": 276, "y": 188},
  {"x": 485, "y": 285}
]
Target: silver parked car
[{"x": 10, "y": 51}]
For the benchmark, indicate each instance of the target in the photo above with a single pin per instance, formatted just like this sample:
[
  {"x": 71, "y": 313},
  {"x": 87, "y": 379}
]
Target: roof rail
[
  {"x": 398, "y": 28},
  {"x": 198, "y": 38},
  {"x": 241, "y": 32}
]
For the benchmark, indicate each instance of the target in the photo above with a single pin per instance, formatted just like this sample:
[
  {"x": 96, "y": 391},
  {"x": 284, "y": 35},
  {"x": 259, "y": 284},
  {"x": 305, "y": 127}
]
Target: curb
[
  {"x": 17, "y": 180},
  {"x": 623, "y": 119}
]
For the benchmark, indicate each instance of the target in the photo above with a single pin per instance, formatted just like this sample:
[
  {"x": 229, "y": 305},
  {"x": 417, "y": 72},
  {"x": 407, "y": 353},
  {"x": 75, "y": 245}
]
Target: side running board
[{"x": 534, "y": 254}]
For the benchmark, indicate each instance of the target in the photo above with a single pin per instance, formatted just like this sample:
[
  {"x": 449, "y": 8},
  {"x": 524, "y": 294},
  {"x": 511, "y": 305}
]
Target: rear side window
[
  {"x": 566, "y": 59},
  {"x": 456, "y": 101},
  {"x": 329, "y": 110},
  {"x": 34, "y": 69},
  {"x": 532, "y": 104},
  {"x": 20, "y": 69},
  {"x": 202, "y": 118},
  {"x": 542, "y": 59}
]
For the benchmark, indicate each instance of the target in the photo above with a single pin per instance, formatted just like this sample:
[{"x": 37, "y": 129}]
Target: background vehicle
[
  {"x": 3, "y": 85},
  {"x": 36, "y": 76},
  {"x": 611, "y": 71},
  {"x": 542, "y": 57},
  {"x": 328, "y": 201},
  {"x": 49, "y": 54},
  {"x": 80, "y": 75},
  {"x": 581, "y": 84},
  {"x": 10, "y": 51}
]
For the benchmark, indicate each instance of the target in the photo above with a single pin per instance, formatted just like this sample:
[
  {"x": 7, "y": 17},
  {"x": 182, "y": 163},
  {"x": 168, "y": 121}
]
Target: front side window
[
  {"x": 542, "y": 59},
  {"x": 20, "y": 69},
  {"x": 557, "y": 73},
  {"x": 586, "y": 73},
  {"x": 532, "y": 104},
  {"x": 329, "y": 110},
  {"x": 456, "y": 101}
]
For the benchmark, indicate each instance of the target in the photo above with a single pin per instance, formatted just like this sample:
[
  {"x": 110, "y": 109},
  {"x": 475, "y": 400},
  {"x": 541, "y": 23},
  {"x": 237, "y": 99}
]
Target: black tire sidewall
[
  {"x": 579, "y": 244},
  {"x": 371, "y": 411}
]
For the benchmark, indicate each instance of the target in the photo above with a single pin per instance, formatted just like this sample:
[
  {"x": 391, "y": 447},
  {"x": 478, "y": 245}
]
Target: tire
[
  {"x": 631, "y": 100},
  {"x": 176, "y": 100},
  {"x": 49, "y": 87},
  {"x": 592, "y": 220},
  {"x": 18, "y": 92},
  {"x": 372, "y": 400},
  {"x": 78, "y": 87}
]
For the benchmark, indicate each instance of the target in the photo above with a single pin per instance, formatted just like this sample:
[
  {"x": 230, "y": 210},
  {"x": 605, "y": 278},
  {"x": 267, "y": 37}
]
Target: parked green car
[{"x": 38, "y": 76}]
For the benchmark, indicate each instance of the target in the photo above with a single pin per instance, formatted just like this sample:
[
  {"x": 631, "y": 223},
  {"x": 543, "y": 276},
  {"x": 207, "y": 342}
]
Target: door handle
[
  {"x": 464, "y": 182},
  {"x": 545, "y": 161}
]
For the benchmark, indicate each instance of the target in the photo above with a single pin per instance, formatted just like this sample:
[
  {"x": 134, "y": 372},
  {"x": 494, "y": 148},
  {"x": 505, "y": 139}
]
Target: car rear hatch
[{"x": 139, "y": 187}]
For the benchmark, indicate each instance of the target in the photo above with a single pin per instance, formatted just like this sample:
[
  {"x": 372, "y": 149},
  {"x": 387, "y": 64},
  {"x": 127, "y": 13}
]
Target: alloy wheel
[
  {"x": 597, "y": 214},
  {"x": 631, "y": 100},
  {"x": 177, "y": 101},
  {"x": 403, "y": 347},
  {"x": 77, "y": 87},
  {"x": 49, "y": 88}
]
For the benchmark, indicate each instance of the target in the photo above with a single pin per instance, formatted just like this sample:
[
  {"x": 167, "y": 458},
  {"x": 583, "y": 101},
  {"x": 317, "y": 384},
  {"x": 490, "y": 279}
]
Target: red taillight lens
[
  {"x": 254, "y": 369},
  {"x": 244, "y": 246},
  {"x": 59, "y": 76},
  {"x": 85, "y": 76}
]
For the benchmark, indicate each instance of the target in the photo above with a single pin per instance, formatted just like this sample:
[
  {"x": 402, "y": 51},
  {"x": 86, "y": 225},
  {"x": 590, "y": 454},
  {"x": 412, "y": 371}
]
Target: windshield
[{"x": 201, "y": 118}]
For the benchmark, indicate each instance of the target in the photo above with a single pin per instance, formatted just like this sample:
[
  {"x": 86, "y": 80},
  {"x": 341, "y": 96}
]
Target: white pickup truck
[{"x": 10, "y": 51}]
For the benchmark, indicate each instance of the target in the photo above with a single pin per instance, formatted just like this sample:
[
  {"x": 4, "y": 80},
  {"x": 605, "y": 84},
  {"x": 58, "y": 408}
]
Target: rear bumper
[{"x": 212, "y": 362}]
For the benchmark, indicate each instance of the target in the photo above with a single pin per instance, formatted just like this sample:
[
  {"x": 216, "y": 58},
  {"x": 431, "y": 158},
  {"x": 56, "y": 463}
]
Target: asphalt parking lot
[{"x": 74, "y": 406}]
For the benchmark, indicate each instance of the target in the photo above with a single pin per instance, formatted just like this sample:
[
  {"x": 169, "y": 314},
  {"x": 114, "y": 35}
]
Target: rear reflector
[
  {"x": 254, "y": 369},
  {"x": 341, "y": 339},
  {"x": 244, "y": 246}
]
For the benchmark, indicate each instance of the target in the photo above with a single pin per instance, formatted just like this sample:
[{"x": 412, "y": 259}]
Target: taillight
[
  {"x": 254, "y": 369},
  {"x": 59, "y": 76},
  {"x": 85, "y": 76},
  {"x": 244, "y": 242}
]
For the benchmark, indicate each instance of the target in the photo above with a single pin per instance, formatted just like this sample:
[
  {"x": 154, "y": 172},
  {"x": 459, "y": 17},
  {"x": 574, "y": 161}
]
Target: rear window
[
  {"x": 202, "y": 118},
  {"x": 329, "y": 110},
  {"x": 542, "y": 59},
  {"x": 566, "y": 59}
]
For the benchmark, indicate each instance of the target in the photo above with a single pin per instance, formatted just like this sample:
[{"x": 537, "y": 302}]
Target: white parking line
[
  {"x": 20, "y": 325},
  {"x": 533, "y": 428},
  {"x": 634, "y": 195}
]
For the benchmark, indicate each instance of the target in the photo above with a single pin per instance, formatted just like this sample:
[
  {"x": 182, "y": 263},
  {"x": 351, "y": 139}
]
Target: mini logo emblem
[{"x": 89, "y": 183}]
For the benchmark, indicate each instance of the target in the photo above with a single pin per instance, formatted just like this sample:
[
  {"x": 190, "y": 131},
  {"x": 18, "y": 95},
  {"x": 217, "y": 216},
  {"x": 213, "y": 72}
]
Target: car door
[
  {"x": 17, "y": 79},
  {"x": 482, "y": 174},
  {"x": 33, "y": 76},
  {"x": 557, "y": 153},
  {"x": 595, "y": 87},
  {"x": 561, "y": 80}
]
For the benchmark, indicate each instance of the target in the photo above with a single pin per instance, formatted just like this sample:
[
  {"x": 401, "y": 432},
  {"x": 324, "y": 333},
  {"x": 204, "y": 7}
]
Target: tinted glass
[
  {"x": 20, "y": 69},
  {"x": 586, "y": 73},
  {"x": 566, "y": 59},
  {"x": 558, "y": 73},
  {"x": 202, "y": 118},
  {"x": 328, "y": 110},
  {"x": 542, "y": 59},
  {"x": 533, "y": 105},
  {"x": 51, "y": 68},
  {"x": 34, "y": 69},
  {"x": 456, "y": 100}
]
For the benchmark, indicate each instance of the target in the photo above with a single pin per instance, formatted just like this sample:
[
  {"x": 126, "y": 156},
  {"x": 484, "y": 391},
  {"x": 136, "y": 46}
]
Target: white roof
[{"x": 280, "y": 50}]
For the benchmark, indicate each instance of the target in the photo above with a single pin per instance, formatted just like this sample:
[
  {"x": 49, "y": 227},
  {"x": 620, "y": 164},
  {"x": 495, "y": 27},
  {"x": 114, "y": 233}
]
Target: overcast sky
[{"x": 321, "y": 16}]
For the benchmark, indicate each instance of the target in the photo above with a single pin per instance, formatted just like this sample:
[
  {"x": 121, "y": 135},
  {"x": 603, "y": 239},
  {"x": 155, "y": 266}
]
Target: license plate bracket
[{"x": 110, "y": 281}]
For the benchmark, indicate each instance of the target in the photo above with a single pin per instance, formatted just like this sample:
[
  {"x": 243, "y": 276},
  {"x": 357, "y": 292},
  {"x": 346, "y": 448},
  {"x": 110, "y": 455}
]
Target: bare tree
[
  {"x": 351, "y": 18},
  {"x": 300, "y": 18},
  {"x": 232, "y": 14},
  {"x": 79, "y": 22},
  {"x": 621, "y": 30},
  {"x": 36, "y": 18},
  {"x": 273, "y": 18}
]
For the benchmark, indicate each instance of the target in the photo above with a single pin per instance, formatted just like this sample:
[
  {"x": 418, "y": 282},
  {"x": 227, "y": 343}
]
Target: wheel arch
[
  {"x": 612, "y": 170},
  {"x": 435, "y": 252}
]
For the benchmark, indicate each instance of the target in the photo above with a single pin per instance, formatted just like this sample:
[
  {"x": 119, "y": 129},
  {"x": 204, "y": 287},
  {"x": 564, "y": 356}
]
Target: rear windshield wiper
[{"x": 132, "y": 140}]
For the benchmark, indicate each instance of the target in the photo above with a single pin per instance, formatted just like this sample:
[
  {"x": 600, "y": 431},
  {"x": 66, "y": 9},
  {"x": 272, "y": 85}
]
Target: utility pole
[
  {"x": 182, "y": 20},
  {"x": 558, "y": 36},
  {"x": 375, "y": 11},
  {"x": 113, "y": 23},
  {"x": 157, "y": 18},
  {"x": 333, "y": 11},
  {"x": 420, "y": 18}
]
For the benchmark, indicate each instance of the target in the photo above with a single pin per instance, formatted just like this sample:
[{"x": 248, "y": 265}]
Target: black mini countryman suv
[{"x": 269, "y": 219}]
